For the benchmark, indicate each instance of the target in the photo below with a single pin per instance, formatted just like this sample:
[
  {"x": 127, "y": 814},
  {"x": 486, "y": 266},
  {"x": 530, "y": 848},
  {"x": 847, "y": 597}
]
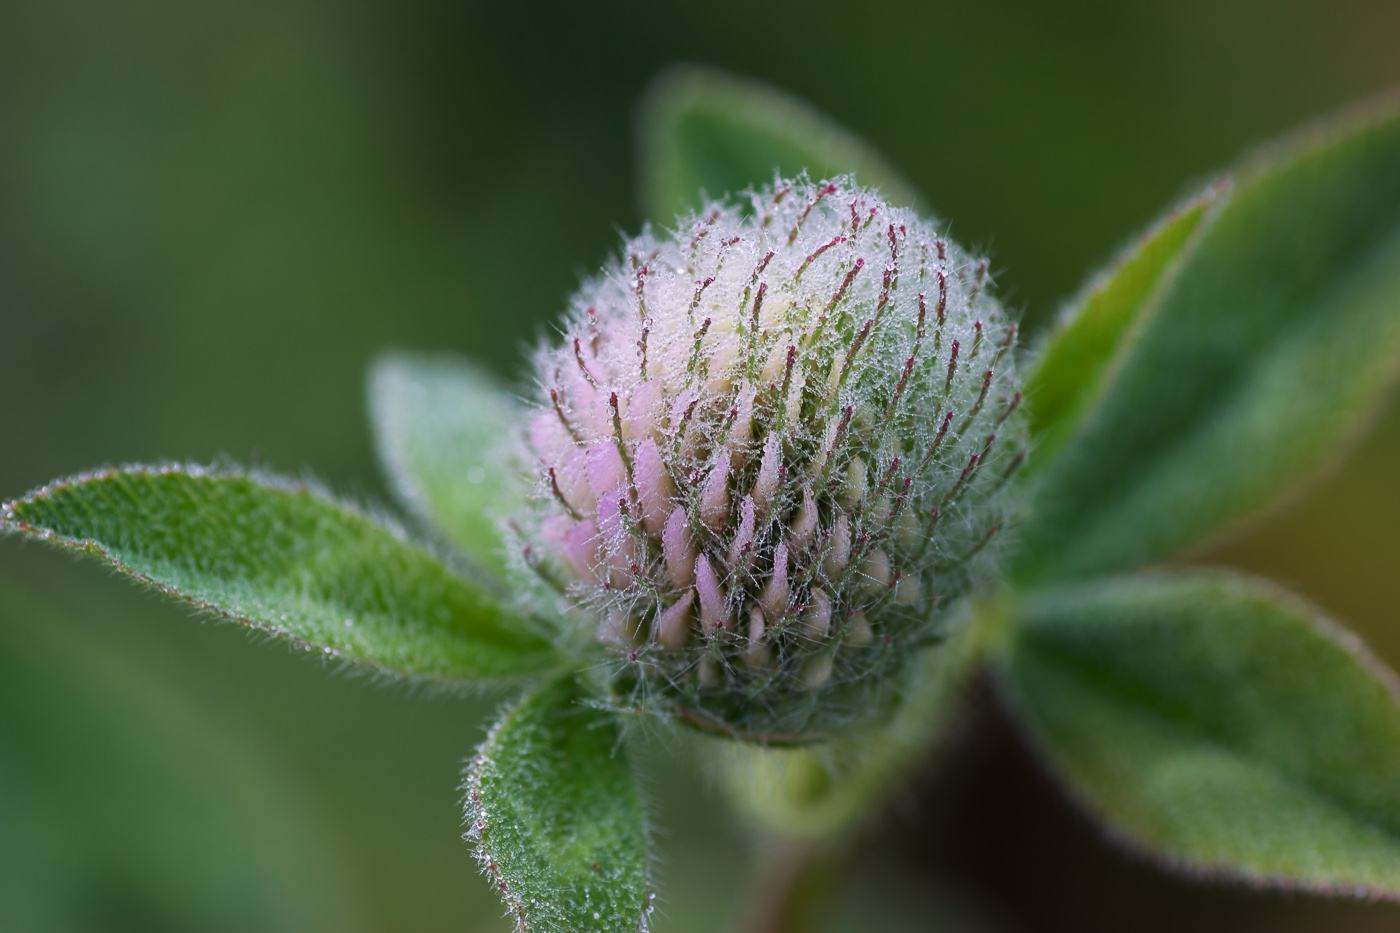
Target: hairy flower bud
[{"x": 770, "y": 450}]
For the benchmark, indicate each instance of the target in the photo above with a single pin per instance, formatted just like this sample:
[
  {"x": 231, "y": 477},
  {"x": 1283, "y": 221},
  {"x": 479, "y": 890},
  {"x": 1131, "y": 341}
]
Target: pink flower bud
[
  {"x": 554, "y": 531},
  {"x": 775, "y": 596},
  {"x": 838, "y": 549},
  {"x": 816, "y": 620},
  {"x": 713, "y": 613},
  {"x": 654, "y": 487},
  {"x": 742, "y": 544},
  {"x": 678, "y": 548},
  {"x": 548, "y": 439},
  {"x": 618, "y": 543},
  {"x": 765, "y": 488},
  {"x": 805, "y": 397},
  {"x": 604, "y": 469},
  {"x": 741, "y": 431},
  {"x": 644, "y": 411},
  {"x": 714, "y": 499},
  {"x": 803, "y": 529},
  {"x": 757, "y": 654},
  {"x": 573, "y": 482},
  {"x": 581, "y": 549},
  {"x": 674, "y": 627}
]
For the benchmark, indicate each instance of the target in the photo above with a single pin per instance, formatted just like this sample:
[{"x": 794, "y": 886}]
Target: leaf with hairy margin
[
  {"x": 439, "y": 424},
  {"x": 1219, "y": 724},
  {"x": 554, "y": 811},
  {"x": 703, "y": 130},
  {"x": 1265, "y": 355},
  {"x": 284, "y": 558},
  {"x": 1071, "y": 367}
]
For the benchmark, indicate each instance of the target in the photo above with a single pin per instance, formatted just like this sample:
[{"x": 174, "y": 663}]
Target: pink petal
[
  {"x": 605, "y": 468},
  {"x": 741, "y": 548},
  {"x": 803, "y": 529},
  {"x": 757, "y": 654},
  {"x": 777, "y": 593},
  {"x": 765, "y": 488},
  {"x": 548, "y": 439},
  {"x": 712, "y": 597},
  {"x": 678, "y": 547},
  {"x": 581, "y": 549},
  {"x": 741, "y": 431},
  {"x": 572, "y": 477},
  {"x": 644, "y": 411},
  {"x": 617, "y": 540},
  {"x": 838, "y": 551},
  {"x": 654, "y": 487},
  {"x": 714, "y": 498},
  {"x": 674, "y": 627}
]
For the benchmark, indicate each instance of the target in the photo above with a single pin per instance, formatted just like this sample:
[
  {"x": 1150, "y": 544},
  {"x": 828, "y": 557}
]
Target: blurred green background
[{"x": 212, "y": 215}]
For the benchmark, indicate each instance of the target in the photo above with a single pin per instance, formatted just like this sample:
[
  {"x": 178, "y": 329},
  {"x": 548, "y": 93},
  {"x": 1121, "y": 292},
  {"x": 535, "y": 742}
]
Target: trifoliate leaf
[
  {"x": 703, "y": 130},
  {"x": 1268, "y": 351},
  {"x": 1099, "y": 327},
  {"x": 286, "y": 559},
  {"x": 556, "y": 818},
  {"x": 1219, "y": 724},
  {"x": 439, "y": 425}
]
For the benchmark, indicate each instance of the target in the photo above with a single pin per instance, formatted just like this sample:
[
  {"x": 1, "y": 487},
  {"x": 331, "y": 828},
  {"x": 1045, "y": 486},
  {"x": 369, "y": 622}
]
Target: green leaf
[
  {"x": 1265, "y": 355},
  {"x": 123, "y": 806},
  {"x": 702, "y": 130},
  {"x": 1219, "y": 724},
  {"x": 1072, "y": 366},
  {"x": 820, "y": 791},
  {"x": 286, "y": 559},
  {"x": 440, "y": 423},
  {"x": 553, "y": 809}
]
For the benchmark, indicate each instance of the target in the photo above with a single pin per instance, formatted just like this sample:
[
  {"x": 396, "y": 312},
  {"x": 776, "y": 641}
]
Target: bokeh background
[{"x": 212, "y": 215}]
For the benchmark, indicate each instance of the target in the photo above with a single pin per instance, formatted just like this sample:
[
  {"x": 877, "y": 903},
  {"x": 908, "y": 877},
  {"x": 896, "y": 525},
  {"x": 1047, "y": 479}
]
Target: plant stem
[{"x": 794, "y": 885}]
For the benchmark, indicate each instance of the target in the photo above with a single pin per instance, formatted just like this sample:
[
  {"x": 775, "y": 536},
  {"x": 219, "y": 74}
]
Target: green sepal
[
  {"x": 820, "y": 791},
  {"x": 1217, "y": 724},
  {"x": 553, "y": 809},
  {"x": 285, "y": 558},
  {"x": 700, "y": 130},
  {"x": 1073, "y": 364},
  {"x": 440, "y": 424},
  {"x": 1264, "y": 356}
]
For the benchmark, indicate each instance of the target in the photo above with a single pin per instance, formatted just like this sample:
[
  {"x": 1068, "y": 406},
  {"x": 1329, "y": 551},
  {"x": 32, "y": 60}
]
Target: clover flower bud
[{"x": 771, "y": 450}]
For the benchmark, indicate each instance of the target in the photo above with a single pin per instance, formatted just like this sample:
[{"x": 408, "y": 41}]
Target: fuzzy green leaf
[
  {"x": 287, "y": 559},
  {"x": 554, "y": 811},
  {"x": 1219, "y": 724},
  {"x": 439, "y": 424},
  {"x": 1265, "y": 355},
  {"x": 702, "y": 130},
  {"x": 1072, "y": 366}
]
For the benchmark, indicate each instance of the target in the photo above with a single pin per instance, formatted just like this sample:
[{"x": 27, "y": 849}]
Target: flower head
[{"x": 770, "y": 450}]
